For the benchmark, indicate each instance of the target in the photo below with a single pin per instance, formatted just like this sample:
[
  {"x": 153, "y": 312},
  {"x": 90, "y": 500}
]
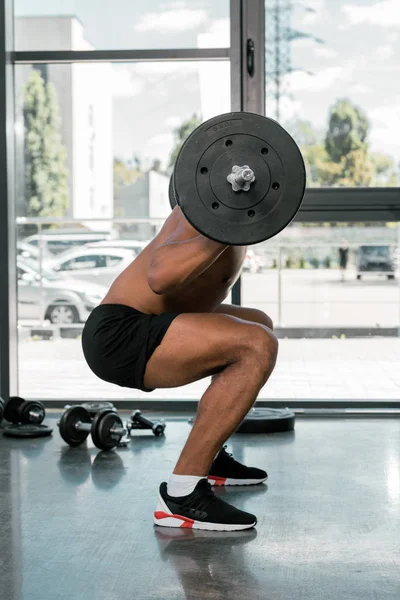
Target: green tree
[
  {"x": 386, "y": 171},
  {"x": 347, "y": 130},
  {"x": 181, "y": 133},
  {"x": 46, "y": 174},
  {"x": 345, "y": 160}
]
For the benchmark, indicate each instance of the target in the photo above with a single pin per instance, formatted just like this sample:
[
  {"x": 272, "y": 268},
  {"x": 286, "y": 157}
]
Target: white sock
[{"x": 182, "y": 485}]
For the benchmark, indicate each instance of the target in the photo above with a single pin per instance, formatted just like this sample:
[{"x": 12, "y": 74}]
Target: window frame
[{"x": 247, "y": 21}]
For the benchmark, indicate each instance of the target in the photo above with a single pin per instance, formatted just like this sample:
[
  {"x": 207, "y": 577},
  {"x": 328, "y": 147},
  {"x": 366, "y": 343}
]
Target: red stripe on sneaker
[
  {"x": 187, "y": 523},
  {"x": 217, "y": 480}
]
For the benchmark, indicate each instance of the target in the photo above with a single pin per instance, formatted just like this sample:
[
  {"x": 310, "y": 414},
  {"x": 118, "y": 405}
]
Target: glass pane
[
  {"x": 107, "y": 135},
  {"x": 122, "y": 24},
  {"x": 333, "y": 292},
  {"x": 332, "y": 75}
]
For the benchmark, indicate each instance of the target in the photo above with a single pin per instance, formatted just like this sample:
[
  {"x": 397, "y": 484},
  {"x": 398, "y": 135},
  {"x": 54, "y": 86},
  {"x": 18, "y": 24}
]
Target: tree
[
  {"x": 46, "y": 174},
  {"x": 181, "y": 133},
  {"x": 386, "y": 171},
  {"x": 347, "y": 130}
]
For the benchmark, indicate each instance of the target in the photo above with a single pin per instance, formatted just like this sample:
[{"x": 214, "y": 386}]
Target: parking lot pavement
[
  {"x": 359, "y": 369},
  {"x": 318, "y": 298}
]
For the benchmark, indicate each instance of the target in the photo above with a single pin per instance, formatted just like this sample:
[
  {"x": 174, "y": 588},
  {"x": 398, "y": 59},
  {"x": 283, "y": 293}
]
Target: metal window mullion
[
  {"x": 90, "y": 56},
  {"x": 8, "y": 287},
  {"x": 253, "y": 29}
]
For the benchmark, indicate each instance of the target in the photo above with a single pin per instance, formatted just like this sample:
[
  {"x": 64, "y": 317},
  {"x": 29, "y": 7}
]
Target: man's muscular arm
[{"x": 181, "y": 258}]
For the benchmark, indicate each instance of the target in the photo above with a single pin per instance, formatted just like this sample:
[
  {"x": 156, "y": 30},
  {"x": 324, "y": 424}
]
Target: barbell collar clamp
[{"x": 241, "y": 178}]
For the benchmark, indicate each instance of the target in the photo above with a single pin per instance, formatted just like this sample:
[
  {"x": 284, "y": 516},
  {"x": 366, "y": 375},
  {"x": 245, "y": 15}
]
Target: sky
[{"x": 356, "y": 57}]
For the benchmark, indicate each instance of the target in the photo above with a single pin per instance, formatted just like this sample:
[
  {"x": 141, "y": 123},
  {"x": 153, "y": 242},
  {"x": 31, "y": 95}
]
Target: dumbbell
[
  {"x": 94, "y": 407},
  {"x": 139, "y": 421},
  {"x": 17, "y": 410},
  {"x": 1, "y": 409},
  {"x": 106, "y": 429}
]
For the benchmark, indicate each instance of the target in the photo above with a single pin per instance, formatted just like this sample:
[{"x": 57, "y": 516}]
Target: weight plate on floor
[
  {"x": 208, "y": 200},
  {"x": 102, "y": 435},
  {"x": 67, "y": 425},
  {"x": 94, "y": 407},
  {"x": 267, "y": 420},
  {"x": 171, "y": 192},
  {"x": 27, "y": 430},
  {"x": 11, "y": 409}
]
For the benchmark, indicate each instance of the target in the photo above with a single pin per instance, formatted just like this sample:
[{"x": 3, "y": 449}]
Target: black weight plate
[
  {"x": 11, "y": 409},
  {"x": 27, "y": 407},
  {"x": 171, "y": 192},
  {"x": 267, "y": 420},
  {"x": 159, "y": 429},
  {"x": 27, "y": 431},
  {"x": 94, "y": 407},
  {"x": 102, "y": 424},
  {"x": 207, "y": 198},
  {"x": 69, "y": 419},
  {"x": 1, "y": 409}
]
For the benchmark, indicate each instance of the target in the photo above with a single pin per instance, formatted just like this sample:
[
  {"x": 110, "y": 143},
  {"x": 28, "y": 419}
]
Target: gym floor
[{"x": 77, "y": 523}]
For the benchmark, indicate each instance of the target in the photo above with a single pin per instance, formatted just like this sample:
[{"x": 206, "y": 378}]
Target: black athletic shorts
[{"x": 118, "y": 340}]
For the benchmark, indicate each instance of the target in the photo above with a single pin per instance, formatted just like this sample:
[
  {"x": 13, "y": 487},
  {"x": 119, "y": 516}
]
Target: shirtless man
[{"x": 163, "y": 325}]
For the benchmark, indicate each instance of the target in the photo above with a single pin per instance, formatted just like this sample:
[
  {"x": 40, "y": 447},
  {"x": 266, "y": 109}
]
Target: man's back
[{"x": 170, "y": 257}]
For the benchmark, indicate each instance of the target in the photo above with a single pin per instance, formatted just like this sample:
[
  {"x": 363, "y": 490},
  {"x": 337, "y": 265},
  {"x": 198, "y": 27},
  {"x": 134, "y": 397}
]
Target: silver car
[
  {"x": 100, "y": 265},
  {"x": 54, "y": 298}
]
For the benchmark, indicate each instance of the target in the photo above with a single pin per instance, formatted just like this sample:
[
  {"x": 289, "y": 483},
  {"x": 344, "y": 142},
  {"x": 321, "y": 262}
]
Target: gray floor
[{"x": 77, "y": 524}]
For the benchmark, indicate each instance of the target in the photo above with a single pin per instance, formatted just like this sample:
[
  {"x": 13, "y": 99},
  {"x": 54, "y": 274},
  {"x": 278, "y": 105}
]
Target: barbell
[{"x": 239, "y": 179}]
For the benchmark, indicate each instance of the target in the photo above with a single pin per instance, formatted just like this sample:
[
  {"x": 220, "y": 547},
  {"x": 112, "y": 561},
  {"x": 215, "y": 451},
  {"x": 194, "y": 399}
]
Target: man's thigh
[
  {"x": 198, "y": 345},
  {"x": 246, "y": 314}
]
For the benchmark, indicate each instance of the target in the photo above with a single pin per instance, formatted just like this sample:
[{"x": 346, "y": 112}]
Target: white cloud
[
  {"x": 322, "y": 80},
  {"x": 384, "y": 52},
  {"x": 385, "y": 13},
  {"x": 172, "y": 122},
  {"x": 325, "y": 52},
  {"x": 360, "y": 88},
  {"x": 218, "y": 35},
  {"x": 124, "y": 83},
  {"x": 173, "y": 20},
  {"x": 392, "y": 37},
  {"x": 385, "y": 127}
]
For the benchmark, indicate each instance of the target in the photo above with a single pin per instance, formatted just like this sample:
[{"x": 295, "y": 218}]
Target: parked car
[
  {"x": 100, "y": 265},
  {"x": 380, "y": 260},
  {"x": 134, "y": 245},
  {"x": 54, "y": 298},
  {"x": 29, "y": 251},
  {"x": 55, "y": 243}
]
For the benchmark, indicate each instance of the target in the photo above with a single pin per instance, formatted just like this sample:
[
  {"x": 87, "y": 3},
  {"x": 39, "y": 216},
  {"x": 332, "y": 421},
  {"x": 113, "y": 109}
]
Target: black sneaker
[
  {"x": 225, "y": 470},
  {"x": 200, "y": 510}
]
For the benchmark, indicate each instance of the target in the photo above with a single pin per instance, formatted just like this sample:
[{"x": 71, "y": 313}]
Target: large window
[
  {"x": 105, "y": 93},
  {"x": 332, "y": 78}
]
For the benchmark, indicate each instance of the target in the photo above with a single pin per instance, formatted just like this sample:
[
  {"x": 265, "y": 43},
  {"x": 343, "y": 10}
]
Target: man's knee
[{"x": 262, "y": 347}]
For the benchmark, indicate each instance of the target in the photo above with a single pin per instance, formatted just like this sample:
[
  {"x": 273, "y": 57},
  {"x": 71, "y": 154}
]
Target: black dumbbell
[
  {"x": 139, "y": 421},
  {"x": 1, "y": 409},
  {"x": 106, "y": 428},
  {"x": 17, "y": 410}
]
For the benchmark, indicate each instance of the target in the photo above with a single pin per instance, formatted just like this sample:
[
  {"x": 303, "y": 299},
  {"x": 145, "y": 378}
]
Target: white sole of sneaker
[
  {"x": 214, "y": 480},
  {"x": 165, "y": 518}
]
